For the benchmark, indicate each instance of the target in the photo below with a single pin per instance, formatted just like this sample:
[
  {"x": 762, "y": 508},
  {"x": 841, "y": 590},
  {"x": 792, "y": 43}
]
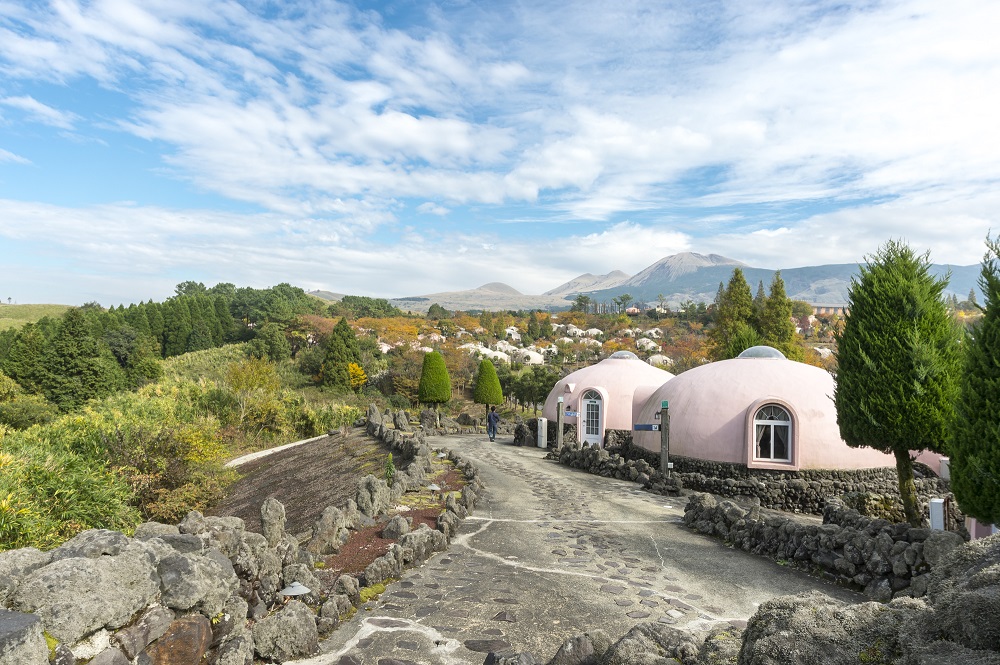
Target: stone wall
[
  {"x": 887, "y": 560},
  {"x": 872, "y": 491},
  {"x": 526, "y": 432},
  {"x": 207, "y": 587}
]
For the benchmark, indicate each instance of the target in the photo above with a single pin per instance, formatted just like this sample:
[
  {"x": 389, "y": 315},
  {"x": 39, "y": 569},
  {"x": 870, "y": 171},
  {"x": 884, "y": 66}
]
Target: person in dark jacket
[{"x": 492, "y": 418}]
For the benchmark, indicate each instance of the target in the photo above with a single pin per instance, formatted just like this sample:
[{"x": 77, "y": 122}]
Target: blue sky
[{"x": 395, "y": 149}]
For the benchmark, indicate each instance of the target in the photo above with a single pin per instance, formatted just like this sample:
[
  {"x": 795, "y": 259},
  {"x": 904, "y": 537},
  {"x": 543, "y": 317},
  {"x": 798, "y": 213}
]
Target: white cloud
[
  {"x": 432, "y": 209},
  {"x": 40, "y": 112},
  {"x": 8, "y": 156}
]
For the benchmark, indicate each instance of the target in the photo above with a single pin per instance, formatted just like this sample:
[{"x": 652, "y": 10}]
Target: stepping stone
[
  {"x": 505, "y": 615},
  {"x": 435, "y": 596},
  {"x": 645, "y": 593},
  {"x": 667, "y": 620},
  {"x": 404, "y": 594},
  {"x": 559, "y": 552},
  {"x": 651, "y": 569},
  {"x": 613, "y": 564},
  {"x": 389, "y": 623},
  {"x": 506, "y": 601},
  {"x": 494, "y": 631},
  {"x": 395, "y": 661},
  {"x": 622, "y": 602},
  {"x": 348, "y": 660},
  {"x": 672, "y": 588},
  {"x": 676, "y": 614},
  {"x": 649, "y": 603},
  {"x": 408, "y": 645},
  {"x": 693, "y": 596},
  {"x": 433, "y": 585},
  {"x": 637, "y": 614},
  {"x": 680, "y": 604},
  {"x": 424, "y": 611},
  {"x": 485, "y": 646},
  {"x": 613, "y": 589}
]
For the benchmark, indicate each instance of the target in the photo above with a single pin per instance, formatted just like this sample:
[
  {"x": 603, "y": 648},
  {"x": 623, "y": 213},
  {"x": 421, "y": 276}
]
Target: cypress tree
[
  {"x": 487, "y": 390},
  {"x": 898, "y": 361},
  {"x": 975, "y": 442},
  {"x": 733, "y": 306},
  {"x": 776, "y": 326},
  {"x": 435, "y": 385},
  {"x": 341, "y": 349}
]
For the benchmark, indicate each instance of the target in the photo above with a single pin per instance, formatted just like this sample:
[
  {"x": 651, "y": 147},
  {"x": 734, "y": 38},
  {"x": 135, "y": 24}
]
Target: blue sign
[
  {"x": 647, "y": 428},
  {"x": 571, "y": 414}
]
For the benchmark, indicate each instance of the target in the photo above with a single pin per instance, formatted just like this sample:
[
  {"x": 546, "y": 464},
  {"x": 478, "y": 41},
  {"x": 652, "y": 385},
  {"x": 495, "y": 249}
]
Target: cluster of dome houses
[{"x": 760, "y": 410}]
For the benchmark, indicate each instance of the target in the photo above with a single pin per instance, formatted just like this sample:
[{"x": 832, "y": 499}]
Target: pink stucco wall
[
  {"x": 624, "y": 383},
  {"x": 712, "y": 407}
]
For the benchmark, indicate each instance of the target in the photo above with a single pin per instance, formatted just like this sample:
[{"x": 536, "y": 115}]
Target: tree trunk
[{"x": 907, "y": 488}]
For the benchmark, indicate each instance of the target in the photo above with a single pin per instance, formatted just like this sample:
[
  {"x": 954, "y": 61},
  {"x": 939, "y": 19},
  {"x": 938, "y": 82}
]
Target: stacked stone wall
[{"x": 207, "y": 588}]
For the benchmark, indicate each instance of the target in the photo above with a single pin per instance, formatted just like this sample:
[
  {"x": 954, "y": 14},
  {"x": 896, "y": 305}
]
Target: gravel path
[{"x": 551, "y": 552}]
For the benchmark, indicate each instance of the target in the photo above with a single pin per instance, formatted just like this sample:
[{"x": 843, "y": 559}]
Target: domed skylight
[
  {"x": 623, "y": 355},
  {"x": 762, "y": 352}
]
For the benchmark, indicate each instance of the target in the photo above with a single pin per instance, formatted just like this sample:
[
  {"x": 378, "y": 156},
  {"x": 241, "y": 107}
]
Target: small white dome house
[
  {"x": 760, "y": 410},
  {"x": 607, "y": 395}
]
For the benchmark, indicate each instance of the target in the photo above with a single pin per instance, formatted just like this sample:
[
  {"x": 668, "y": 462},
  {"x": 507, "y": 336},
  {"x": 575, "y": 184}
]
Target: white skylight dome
[{"x": 762, "y": 352}]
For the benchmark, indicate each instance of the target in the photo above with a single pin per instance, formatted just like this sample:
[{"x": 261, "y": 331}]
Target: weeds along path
[{"x": 305, "y": 479}]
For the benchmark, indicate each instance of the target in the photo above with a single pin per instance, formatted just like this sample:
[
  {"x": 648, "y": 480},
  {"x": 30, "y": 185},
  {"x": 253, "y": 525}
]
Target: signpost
[
  {"x": 655, "y": 427},
  {"x": 665, "y": 464},
  {"x": 559, "y": 423}
]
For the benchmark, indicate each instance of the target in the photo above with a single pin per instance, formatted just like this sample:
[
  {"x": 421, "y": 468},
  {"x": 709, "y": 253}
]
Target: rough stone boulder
[
  {"x": 421, "y": 543},
  {"x": 186, "y": 640},
  {"x": 21, "y": 639},
  {"x": 76, "y": 596},
  {"x": 388, "y": 565},
  {"x": 395, "y": 527},
  {"x": 654, "y": 644},
  {"x": 373, "y": 496},
  {"x": 429, "y": 420},
  {"x": 15, "y": 565},
  {"x": 401, "y": 421},
  {"x": 584, "y": 649},
  {"x": 332, "y": 530},
  {"x": 286, "y": 635},
  {"x": 195, "y": 581},
  {"x": 466, "y": 420},
  {"x": 272, "y": 520},
  {"x": 965, "y": 592},
  {"x": 92, "y": 543},
  {"x": 347, "y": 585},
  {"x": 149, "y": 627}
]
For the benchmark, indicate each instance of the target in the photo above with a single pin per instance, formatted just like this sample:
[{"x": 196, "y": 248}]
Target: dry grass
[{"x": 15, "y": 316}]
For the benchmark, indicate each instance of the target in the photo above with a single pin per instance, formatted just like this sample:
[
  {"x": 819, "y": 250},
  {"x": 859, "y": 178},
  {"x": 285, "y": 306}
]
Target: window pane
[
  {"x": 763, "y": 441},
  {"x": 780, "y": 442},
  {"x": 593, "y": 418}
]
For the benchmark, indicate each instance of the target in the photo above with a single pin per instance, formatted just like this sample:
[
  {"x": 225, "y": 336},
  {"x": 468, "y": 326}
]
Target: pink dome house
[
  {"x": 759, "y": 410},
  {"x": 607, "y": 395}
]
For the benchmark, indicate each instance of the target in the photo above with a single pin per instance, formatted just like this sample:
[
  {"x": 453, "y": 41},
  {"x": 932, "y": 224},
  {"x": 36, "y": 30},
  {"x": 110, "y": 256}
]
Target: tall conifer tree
[
  {"x": 975, "y": 442},
  {"x": 898, "y": 362}
]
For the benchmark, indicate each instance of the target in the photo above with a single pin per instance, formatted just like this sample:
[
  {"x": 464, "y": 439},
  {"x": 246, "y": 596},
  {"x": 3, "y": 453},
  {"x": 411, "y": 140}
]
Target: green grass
[
  {"x": 15, "y": 316},
  {"x": 209, "y": 364}
]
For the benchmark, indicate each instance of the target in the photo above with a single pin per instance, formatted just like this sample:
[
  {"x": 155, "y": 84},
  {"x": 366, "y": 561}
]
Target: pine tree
[
  {"x": 759, "y": 305},
  {"x": 435, "y": 385},
  {"x": 899, "y": 357},
  {"x": 177, "y": 327},
  {"x": 975, "y": 441}
]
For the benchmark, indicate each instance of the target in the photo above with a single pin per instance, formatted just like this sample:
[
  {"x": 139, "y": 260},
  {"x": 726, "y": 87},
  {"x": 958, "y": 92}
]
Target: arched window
[{"x": 772, "y": 427}]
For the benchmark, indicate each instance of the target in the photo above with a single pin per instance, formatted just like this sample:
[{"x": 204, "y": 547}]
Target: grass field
[{"x": 15, "y": 316}]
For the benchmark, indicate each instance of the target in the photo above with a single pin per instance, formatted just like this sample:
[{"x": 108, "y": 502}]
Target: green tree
[
  {"x": 177, "y": 326},
  {"x": 898, "y": 362},
  {"x": 436, "y": 312},
  {"x": 776, "y": 325},
  {"x": 582, "y": 303},
  {"x": 435, "y": 385},
  {"x": 487, "y": 390},
  {"x": 733, "y": 306},
  {"x": 341, "y": 349},
  {"x": 76, "y": 367},
  {"x": 270, "y": 342},
  {"x": 975, "y": 441}
]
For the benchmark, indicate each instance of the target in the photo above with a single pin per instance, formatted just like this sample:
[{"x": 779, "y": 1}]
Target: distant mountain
[
  {"x": 327, "y": 295},
  {"x": 589, "y": 282},
  {"x": 680, "y": 277},
  {"x": 492, "y": 296}
]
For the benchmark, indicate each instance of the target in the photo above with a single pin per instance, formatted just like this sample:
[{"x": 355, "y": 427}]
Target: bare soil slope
[{"x": 305, "y": 479}]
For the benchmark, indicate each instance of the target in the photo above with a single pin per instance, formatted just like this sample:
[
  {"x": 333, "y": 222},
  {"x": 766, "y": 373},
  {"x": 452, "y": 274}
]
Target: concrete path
[{"x": 551, "y": 552}]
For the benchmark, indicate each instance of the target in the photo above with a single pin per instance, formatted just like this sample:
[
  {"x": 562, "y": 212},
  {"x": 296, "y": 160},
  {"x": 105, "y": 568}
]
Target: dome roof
[
  {"x": 712, "y": 409},
  {"x": 623, "y": 381}
]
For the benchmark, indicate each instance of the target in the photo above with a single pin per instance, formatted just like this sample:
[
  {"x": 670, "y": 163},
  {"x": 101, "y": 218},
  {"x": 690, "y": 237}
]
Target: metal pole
[
  {"x": 665, "y": 438},
  {"x": 559, "y": 424}
]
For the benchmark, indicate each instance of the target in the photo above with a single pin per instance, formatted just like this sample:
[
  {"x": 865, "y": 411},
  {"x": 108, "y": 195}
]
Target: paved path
[{"x": 551, "y": 552}]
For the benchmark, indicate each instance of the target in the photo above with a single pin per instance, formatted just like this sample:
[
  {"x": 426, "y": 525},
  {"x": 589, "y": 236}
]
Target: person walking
[{"x": 492, "y": 418}]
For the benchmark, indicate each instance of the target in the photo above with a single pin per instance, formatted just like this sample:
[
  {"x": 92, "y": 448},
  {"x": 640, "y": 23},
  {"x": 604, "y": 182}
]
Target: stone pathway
[{"x": 551, "y": 552}]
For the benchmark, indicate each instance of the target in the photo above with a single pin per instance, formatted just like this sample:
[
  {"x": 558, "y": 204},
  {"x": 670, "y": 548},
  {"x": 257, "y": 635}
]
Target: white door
[{"x": 592, "y": 426}]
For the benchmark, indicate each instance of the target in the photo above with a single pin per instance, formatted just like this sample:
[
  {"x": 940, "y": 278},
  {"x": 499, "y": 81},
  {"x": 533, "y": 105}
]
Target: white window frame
[{"x": 769, "y": 418}]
